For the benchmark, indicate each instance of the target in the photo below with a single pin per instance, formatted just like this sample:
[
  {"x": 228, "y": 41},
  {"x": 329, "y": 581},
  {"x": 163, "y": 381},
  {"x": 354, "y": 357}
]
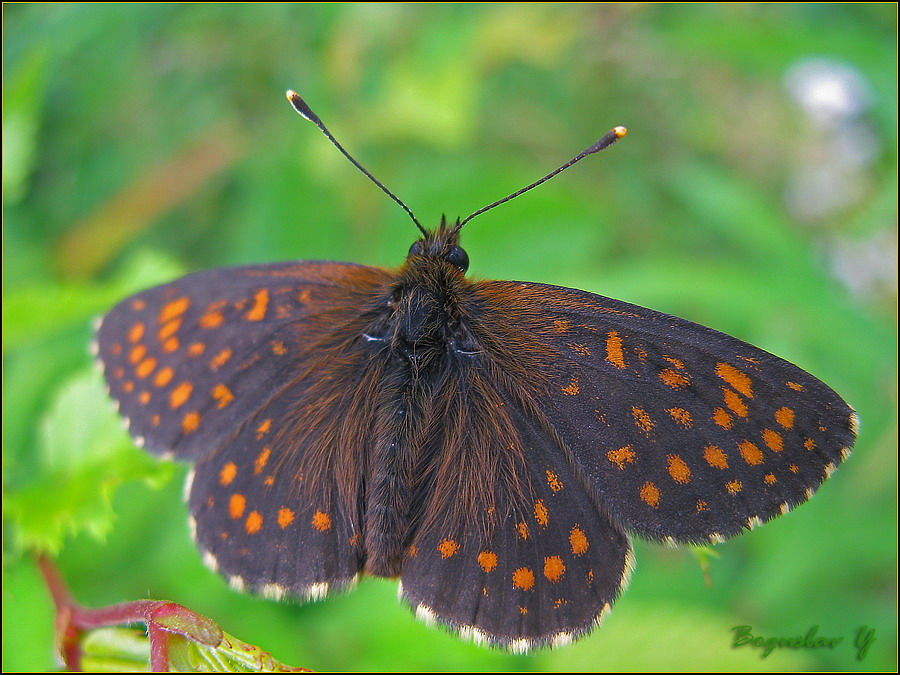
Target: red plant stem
[{"x": 72, "y": 620}]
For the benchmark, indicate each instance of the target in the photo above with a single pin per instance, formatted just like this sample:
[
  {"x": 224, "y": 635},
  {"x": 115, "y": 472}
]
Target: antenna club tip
[
  {"x": 290, "y": 94},
  {"x": 620, "y": 132}
]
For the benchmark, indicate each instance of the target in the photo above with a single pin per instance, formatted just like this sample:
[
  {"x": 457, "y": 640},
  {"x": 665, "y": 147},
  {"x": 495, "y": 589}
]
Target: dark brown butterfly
[{"x": 489, "y": 442}]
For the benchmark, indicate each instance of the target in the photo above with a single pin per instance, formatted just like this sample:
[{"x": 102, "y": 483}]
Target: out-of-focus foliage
[{"x": 755, "y": 193}]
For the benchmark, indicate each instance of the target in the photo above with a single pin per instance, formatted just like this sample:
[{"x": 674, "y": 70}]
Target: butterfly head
[{"x": 439, "y": 246}]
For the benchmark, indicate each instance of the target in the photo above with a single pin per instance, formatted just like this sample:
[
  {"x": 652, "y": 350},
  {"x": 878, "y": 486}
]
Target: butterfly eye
[
  {"x": 418, "y": 248},
  {"x": 457, "y": 257}
]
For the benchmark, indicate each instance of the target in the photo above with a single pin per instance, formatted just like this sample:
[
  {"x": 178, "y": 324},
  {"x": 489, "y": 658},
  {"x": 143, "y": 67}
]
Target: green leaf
[
  {"x": 84, "y": 455},
  {"x": 32, "y": 312}
]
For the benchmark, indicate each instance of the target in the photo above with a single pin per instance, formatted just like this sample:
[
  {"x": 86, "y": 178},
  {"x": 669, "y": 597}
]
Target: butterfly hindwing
[
  {"x": 259, "y": 522},
  {"x": 537, "y": 570},
  {"x": 186, "y": 362},
  {"x": 684, "y": 432}
]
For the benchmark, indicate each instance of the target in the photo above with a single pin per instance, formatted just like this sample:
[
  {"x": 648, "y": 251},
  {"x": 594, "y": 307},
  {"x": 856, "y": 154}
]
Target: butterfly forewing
[
  {"x": 190, "y": 360},
  {"x": 684, "y": 432}
]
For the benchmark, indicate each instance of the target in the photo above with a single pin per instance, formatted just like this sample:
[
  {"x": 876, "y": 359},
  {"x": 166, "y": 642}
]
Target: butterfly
[{"x": 490, "y": 443}]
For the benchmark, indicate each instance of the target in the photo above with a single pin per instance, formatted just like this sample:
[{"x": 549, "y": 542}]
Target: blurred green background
[{"x": 755, "y": 193}]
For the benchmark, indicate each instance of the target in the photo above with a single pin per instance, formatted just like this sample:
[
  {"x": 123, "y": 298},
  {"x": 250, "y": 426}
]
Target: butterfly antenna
[
  {"x": 608, "y": 139},
  {"x": 306, "y": 112}
]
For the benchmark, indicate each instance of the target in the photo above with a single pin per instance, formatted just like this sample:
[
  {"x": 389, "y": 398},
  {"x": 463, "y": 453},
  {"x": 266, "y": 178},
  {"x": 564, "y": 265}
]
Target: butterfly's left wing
[
  {"x": 187, "y": 361},
  {"x": 682, "y": 432},
  {"x": 245, "y": 372}
]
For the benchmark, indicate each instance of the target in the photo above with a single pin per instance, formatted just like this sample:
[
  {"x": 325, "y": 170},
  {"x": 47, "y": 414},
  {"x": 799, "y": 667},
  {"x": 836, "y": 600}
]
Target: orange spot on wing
[
  {"x": 116, "y": 349},
  {"x": 571, "y": 389},
  {"x": 212, "y": 320},
  {"x": 678, "y": 469},
  {"x": 190, "y": 422},
  {"x": 321, "y": 521},
  {"x": 785, "y": 417},
  {"x": 736, "y": 378},
  {"x": 715, "y": 457},
  {"x": 722, "y": 418},
  {"x": 254, "y": 522},
  {"x": 260, "y": 304},
  {"x": 144, "y": 397},
  {"x": 180, "y": 395},
  {"x": 553, "y": 481},
  {"x": 236, "y": 505},
  {"x": 285, "y": 517},
  {"x": 155, "y": 420},
  {"x": 554, "y": 568},
  {"x": 196, "y": 349},
  {"x": 702, "y": 506},
  {"x": 119, "y": 373},
  {"x": 448, "y": 548},
  {"x": 522, "y": 529},
  {"x": 681, "y": 416},
  {"x": 261, "y": 460},
  {"x": 137, "y": 305},
  {"x": 733, "y": 486},
  {"x": 734, "y": 402},
  {"x": 621, "y": 456},
  {"x": 795, "y": 386},
  {"x": 263, "y": 428},
  {"x": 145, "y": 367},
  {"x": 220, "y": 359},
  {"x": 227, "y": 474},
  {"x": 614, "y": 349},
  {"x": 773, "y": 440},
  {"x": 136, "y": 332},
  {"x": 171, "y": 345},
  {"x": 770, "y": 479},
  {"x": 674, "y": 379},
  {"x": 222, "y": 395},
  {"x": 751, "y": 454},
  {"x": 413, "y": 551},
  {"x": 278, "y": 348},
  {"x": 168, "y": 329},
  {"x": 487, "y": 560},
  {"x": 642, "y": 420},
  {"x": 562, "y": 326},
  {"x": 136, "y": 354},
  {"x": 172, "y": 309},
  {"x": 794, "y": 468},
  {"x": 523, "y": 579},
  {"x": 269, "y": 480},
  {"x": 541, "y": 514},
  {"x": 650, "y": 494},
  {"x": 809, "y": 444},
  {"x": 128, "y": 386},
  {"x": 578, "y": 541},
  {"x": 675, "y": 362},
  {"x": 163, "y": 377}
]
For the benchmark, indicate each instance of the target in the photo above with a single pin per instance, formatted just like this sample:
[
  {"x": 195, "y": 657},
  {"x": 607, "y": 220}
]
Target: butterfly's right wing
[
  {"x": 682, "y": 433},
  {"x": 514, "y": 552}
]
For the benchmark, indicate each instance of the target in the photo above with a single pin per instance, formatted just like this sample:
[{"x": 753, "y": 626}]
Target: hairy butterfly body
[{"x": 490, "y": 443}]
